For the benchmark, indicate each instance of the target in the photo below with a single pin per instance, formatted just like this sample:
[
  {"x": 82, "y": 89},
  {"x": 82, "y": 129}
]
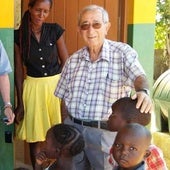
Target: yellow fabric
[{"x": 42, "y": 108}]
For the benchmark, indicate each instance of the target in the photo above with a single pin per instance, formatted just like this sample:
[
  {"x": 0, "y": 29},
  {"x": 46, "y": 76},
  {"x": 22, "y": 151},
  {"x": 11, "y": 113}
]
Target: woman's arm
[
  {"x": 19, "y": 78},
  {"x": 62, "y": 50}
]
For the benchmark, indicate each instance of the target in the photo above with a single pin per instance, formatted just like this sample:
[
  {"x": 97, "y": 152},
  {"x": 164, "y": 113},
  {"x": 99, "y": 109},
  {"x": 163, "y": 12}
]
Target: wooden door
[{"x": 65, "y": 13}]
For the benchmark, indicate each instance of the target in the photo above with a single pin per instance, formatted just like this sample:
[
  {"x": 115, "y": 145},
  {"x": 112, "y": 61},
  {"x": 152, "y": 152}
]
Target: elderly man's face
[{"x": 93, "y": 29}]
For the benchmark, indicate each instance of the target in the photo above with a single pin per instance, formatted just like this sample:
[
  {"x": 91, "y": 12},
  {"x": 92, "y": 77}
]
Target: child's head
[
  {"x": 124, "y": 111},
  {"x": 131, "y": 145},
  {"x": 63, "y": 139}
]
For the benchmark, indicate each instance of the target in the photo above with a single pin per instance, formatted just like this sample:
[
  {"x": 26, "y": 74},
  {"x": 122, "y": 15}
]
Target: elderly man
[
  {"x": 93, "y": 78},
  {"x": 5, "y": 68}
]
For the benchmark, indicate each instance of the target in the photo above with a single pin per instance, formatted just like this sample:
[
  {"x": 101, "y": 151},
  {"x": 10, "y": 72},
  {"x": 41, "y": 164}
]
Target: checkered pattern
[
  {"x": 89, "y": 88},
  {"x": 155, "y": 161}
]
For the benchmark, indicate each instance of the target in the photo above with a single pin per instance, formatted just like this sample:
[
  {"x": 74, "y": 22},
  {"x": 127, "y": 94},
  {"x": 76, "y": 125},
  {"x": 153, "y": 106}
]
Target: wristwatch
[
  {"x": 7, "y": 105},
  {"x": 144, "y": 90}
]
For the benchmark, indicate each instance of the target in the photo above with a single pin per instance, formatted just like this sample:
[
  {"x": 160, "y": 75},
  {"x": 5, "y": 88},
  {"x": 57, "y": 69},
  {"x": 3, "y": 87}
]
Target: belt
[{"x": 96, "y": 124}]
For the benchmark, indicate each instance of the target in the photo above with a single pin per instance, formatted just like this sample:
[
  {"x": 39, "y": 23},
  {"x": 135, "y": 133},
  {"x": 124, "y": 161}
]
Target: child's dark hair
[
  {"x": 127, "y": 108},
  {"x": 138, "y": 128},
  {"x": 69, "y": 135}
]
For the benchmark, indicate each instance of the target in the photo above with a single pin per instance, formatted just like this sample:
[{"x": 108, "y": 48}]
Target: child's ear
[
  {"x": 58, "y": 152},
  {"x": 147, "y": 154},
  {"x": 66, "y": 151}
]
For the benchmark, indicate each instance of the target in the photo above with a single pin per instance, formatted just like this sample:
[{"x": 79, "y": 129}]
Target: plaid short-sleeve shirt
[{"x": 89, "y": 88}]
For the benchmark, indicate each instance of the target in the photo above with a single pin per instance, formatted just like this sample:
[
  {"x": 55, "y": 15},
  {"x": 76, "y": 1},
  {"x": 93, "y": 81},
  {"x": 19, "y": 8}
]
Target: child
[
  {"x": 124, "y": 111},
  {"x": 62, "y": 143},
  {"x": 131, "y": 146}
]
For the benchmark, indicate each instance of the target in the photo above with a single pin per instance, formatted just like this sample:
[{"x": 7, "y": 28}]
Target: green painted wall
[
  {"x": 141, "y": 29},
  {"x": 141, "y": 38},
  {"x": 6, "y": 149}
]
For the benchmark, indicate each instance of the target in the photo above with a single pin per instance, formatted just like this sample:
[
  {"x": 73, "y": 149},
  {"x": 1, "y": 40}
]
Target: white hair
[{"x": 104, "y": 13}]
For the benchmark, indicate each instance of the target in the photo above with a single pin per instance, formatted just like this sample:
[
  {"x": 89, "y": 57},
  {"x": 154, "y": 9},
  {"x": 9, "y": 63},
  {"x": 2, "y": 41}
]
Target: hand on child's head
[{"x": 124, "y": 111}]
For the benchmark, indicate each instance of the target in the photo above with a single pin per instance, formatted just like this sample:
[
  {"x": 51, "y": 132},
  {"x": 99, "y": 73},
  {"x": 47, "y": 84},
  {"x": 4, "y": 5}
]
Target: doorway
[{"x": 65, "y": 13}]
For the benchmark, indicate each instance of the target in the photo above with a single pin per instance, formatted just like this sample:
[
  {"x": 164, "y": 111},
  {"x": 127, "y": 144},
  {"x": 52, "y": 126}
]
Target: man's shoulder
[
  {"x": 117, "y": 46},
  {"x": 79, "y": 53},
  {"x": 155, "y": 149},
  {"x": 115, "y": 43}
]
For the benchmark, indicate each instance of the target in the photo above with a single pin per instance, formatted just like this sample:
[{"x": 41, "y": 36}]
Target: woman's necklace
[{"x": 37, "y": 33}]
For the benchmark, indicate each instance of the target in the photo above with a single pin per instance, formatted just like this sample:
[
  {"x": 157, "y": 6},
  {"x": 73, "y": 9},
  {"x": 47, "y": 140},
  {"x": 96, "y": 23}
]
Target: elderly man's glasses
[{"x": 86, "y": 26}]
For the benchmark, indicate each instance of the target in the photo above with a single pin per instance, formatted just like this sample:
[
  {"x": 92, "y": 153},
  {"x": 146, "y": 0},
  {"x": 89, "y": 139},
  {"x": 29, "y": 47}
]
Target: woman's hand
[{"x": 19, "y": 114}]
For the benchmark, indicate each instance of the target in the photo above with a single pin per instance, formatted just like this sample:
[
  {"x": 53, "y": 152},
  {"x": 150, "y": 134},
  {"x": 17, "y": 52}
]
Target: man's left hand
[{"x": 144, "y": 102}]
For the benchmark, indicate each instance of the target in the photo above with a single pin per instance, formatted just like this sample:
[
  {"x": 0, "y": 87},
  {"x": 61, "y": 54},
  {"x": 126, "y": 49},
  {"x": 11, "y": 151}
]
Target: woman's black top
[{"x": 43, "y": 59}]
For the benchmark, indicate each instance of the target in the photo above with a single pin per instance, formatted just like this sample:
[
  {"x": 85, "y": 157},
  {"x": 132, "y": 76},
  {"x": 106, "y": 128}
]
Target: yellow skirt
[{"x": 41, "y": 108}]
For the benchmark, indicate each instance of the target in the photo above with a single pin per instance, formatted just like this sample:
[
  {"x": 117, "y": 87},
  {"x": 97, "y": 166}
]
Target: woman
[{"x": 40, "y": 48}]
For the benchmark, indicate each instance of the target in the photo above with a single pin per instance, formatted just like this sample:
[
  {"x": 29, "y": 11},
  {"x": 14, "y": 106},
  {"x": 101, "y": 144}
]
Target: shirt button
[
  {"x": 39, "y": 49},
  {"x": 43, "y": 66},
  {"x": 45, "y": 74},
  {"x": 41, "y": 58},
  {"x": 86, "y": 92}
]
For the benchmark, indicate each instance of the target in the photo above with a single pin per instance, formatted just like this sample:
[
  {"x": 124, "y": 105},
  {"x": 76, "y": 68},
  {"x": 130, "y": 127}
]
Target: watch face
[
  {"x": 5, "y": 120},
  {"x": 144, "y": 90}
]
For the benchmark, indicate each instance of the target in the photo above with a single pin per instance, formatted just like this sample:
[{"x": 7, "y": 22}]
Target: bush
[{"x": 162, "y": 29}]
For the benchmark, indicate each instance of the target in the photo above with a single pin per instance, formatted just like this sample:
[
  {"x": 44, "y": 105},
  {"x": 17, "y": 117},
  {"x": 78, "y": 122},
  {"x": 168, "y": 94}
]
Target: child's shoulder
[{"x": 155, "y": 150}]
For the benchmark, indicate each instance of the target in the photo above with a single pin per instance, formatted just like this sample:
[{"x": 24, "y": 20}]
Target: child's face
[
  {"x": 115, "y": 121},
  {"x": 129, "y": 149}
]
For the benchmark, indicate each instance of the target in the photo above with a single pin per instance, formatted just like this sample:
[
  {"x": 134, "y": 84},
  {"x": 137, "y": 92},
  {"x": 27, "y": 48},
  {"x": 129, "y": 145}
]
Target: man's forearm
[
  {"x": 141, "y": 82},
  {"x": 5, "y": 88},
  {"x": 64, "y": 111}
]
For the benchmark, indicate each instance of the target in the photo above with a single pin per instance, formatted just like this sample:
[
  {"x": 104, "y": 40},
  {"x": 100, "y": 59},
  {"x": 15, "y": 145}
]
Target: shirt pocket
[{"x": 113, "y": 86}]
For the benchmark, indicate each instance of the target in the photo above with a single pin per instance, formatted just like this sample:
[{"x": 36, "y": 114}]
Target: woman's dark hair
[
  {"x": 32, "y": 3},
  {"x": 25, "y": 30},
  {"x": 126, "y": 107},
  {"x": 70, "y": 136}
]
